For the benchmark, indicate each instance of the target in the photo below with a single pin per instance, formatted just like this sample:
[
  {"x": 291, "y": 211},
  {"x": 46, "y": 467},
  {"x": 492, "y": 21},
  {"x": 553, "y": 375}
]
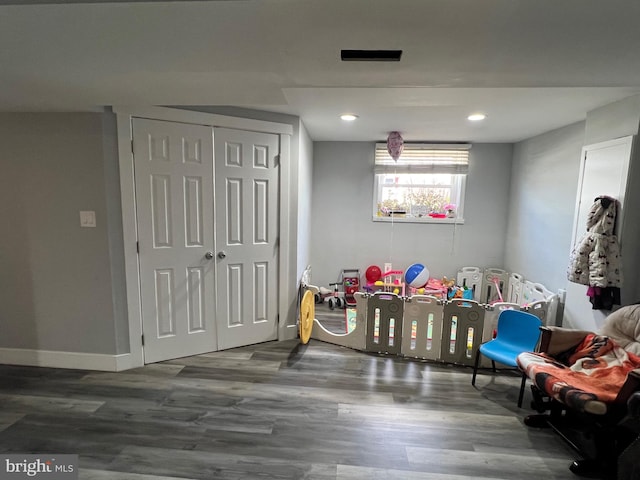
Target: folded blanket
[{"x": 590, "y": 377}]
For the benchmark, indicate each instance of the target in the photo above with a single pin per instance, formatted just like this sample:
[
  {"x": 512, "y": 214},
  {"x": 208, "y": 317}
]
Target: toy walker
[{"x": 350, "y": 284}]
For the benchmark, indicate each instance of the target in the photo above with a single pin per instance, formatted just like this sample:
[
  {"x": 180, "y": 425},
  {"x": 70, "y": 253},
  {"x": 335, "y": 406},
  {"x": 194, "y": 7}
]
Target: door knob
[
  {"x": 222, "y": 254},
  {"x": 208, "y": 255}
]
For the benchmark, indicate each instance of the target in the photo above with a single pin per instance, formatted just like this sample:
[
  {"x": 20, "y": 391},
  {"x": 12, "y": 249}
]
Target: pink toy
[{"x": 394, "y": 282}]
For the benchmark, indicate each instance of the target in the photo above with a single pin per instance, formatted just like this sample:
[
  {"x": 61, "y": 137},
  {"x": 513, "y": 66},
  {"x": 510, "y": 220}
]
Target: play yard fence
[{"x": 427, "y": 327}]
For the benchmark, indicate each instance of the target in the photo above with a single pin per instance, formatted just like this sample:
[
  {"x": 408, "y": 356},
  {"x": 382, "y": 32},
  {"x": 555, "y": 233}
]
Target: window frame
[{"x": 458, "y": 169}]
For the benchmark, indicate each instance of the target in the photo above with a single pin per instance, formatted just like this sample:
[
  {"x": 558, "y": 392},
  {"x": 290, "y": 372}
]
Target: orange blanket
[{"x": 595, "y": 372}]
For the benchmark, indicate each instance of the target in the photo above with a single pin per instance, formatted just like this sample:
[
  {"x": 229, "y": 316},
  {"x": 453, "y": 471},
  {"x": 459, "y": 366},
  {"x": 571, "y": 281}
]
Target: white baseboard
[{"x": 74, "y": 360}]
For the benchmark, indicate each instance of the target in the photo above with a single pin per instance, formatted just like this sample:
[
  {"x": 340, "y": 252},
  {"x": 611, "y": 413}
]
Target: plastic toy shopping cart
[{"x": 350, "y": 284}]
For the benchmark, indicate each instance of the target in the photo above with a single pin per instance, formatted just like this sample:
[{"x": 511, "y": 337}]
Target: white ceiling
[{"x": 531, "y": 66}]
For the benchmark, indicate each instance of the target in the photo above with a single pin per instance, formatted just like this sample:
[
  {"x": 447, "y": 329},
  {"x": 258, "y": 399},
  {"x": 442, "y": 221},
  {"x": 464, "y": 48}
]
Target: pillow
[{"x": 623, "y": 326}]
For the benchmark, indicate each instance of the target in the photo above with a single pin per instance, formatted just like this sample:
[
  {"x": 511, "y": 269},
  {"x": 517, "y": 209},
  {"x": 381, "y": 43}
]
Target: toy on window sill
[{"x": 450, "y": 209}]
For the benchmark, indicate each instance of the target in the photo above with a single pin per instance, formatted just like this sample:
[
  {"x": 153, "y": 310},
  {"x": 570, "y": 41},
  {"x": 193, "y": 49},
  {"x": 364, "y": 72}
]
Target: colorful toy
[
  {"x": 335, "y": 300},
  {"x": 448, "y": 283},
  {"x": 373, "y": 274},
  {"x": 435, "y": 287},
  {"x": 321, "y": 295},
  {"x": 392, "y": 282},
  {"x": 417, "y": 275},
  {"x": 496, "y": 282},
  {"x": 350, "y": 284},
  {"x": 307, "y": 314},
  {"x": 460, "y": 292}
]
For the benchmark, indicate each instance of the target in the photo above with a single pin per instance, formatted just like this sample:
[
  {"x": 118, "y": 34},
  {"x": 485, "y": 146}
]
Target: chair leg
[
  {"x": 475, "y": 368},
  {"x": 493, "y": 365},
  {"x": 521, "y": 395}
]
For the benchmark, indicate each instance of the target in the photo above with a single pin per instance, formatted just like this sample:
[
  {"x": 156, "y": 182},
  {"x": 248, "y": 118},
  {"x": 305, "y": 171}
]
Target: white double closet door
[{"x": 207, "y": 216}]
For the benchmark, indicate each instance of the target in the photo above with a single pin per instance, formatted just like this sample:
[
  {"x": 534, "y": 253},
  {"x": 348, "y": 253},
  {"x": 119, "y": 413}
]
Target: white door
[
  {"x": 246, "y": 184},
  {"x": 173, "y": 165},
  {"x": 603, "y": 171}
]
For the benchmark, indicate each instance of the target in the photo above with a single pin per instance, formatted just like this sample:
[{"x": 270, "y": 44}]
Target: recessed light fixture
[
  {"x": 348, "y": 117},
  {"x": 476, "y": 117}
]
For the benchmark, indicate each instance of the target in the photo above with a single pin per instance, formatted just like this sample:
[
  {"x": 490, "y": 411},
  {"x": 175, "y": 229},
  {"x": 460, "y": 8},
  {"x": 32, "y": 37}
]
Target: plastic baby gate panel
[
  {"x": 462, "y": 325},
  {"x": 384, "y": 323},
  {"x": 422, "y": 327},
  {"x": 514, "y": 288},
  {"x": 356, "y": 337},
  {"x": 470, "y": 277},
  {"x": 494, "y": 285}
]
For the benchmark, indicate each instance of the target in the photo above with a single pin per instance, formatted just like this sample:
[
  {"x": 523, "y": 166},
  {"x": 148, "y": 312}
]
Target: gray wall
[
  {"x": 615, "y": 120},
  {"x": 57, "y": 291},
  {"x": 345, "y": 236},
  {"x": 543, "y": 198},
  {"x": 542, "y": 204},
  {"x": 305, "y": 183},
  {"x": 612, "y": 121},
  {"x": 62, "y": 286},
  {"x": 114, "y": 231}
]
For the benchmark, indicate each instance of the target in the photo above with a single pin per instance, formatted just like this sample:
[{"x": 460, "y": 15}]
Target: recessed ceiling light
[
  {"x": 476, "y": 117},
  {"x": 348, "y": 117}
]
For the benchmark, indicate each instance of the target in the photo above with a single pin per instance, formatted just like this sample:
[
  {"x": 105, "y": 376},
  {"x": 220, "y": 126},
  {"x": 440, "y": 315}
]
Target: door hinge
[{"x": 143, "y": 340}]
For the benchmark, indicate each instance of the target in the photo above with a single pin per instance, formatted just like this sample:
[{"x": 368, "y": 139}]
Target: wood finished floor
[{"x": 279, "y": 411}]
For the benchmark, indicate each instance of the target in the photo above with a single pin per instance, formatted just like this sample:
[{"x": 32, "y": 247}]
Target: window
[{"x": 426, "y": 184}]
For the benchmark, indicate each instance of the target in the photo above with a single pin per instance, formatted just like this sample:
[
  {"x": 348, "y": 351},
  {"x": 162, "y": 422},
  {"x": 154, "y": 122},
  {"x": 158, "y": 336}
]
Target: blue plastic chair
[{"x": 517, "y": 332}]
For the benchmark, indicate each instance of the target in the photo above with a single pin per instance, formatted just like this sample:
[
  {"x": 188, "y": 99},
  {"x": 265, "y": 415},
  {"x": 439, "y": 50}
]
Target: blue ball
[{"x": 416, "y": 276}]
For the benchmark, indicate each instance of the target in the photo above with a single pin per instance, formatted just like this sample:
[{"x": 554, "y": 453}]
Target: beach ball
[
  {"x": 373, "y": 274},
  {"x": 416, "y": 276}
]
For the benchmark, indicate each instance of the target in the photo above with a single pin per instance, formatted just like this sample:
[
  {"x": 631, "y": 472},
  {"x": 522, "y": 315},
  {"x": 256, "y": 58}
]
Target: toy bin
[
  {"x": 422, "y": 327},
  {"x": 462, "y": 325}
]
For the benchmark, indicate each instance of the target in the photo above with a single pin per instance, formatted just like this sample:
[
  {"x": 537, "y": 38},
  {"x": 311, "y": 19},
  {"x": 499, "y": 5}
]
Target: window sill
[{"x": 447, "y": 221}]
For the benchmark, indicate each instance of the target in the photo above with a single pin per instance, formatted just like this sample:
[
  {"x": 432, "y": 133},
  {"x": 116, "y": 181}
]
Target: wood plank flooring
[{"x": 280, "y": 411}]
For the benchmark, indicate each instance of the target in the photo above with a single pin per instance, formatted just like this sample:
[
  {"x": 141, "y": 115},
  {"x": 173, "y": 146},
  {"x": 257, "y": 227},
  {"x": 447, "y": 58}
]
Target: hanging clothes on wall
[{"x": 595, "y": 260}]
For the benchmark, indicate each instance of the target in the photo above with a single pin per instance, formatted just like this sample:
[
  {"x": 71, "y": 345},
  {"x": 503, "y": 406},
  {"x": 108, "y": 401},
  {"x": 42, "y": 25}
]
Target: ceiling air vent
[{"x": 370, "y": 55}]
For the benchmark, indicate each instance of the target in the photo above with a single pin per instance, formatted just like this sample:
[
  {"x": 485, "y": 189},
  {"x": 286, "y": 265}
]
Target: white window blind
[{"x": 424, "y": 158}]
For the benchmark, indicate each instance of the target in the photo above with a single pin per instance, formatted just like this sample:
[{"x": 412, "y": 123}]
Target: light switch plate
[{"x": 87, "y": 218}]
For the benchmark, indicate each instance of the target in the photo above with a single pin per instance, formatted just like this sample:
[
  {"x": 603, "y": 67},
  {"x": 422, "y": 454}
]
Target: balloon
[
  {"x": 395, "y": 145},
  {"x": 373, "y": 274}
]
